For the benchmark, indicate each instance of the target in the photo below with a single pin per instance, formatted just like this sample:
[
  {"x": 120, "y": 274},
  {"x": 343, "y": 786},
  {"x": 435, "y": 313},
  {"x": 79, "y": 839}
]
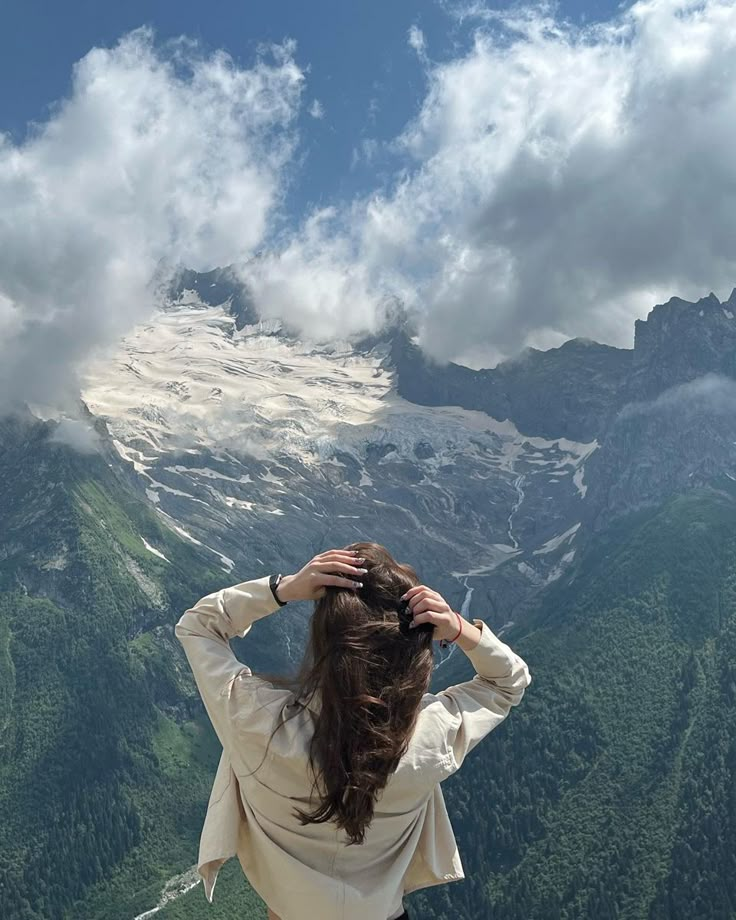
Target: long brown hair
[{"x": 370, "y": 679}]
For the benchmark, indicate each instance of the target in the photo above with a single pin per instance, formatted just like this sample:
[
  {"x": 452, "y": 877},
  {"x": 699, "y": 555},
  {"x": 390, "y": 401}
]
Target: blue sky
[{"x": 360, "y": 66}]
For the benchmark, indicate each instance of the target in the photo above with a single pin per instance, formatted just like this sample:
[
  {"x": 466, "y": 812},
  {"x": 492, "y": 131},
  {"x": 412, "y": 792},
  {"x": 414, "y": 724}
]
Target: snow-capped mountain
[
  {"x": 245, "y": 437},
  {"x": 253, "y": 444}
]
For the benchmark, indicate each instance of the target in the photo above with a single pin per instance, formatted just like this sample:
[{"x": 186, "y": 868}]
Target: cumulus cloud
[
  {"x": 161, "y": 155},
  {"x": 317, "y": 110},
  {"x": 319, "y": 284},
  {"x": 558, "y": 180}
]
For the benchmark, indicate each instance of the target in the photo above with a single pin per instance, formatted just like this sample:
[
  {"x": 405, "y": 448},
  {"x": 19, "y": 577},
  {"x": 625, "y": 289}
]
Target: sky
[
  {"x": 514, "y": 175},
  {"x": 362, "y": 71}
]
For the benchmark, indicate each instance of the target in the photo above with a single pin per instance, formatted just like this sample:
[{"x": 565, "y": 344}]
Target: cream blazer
[{"x": 309, "y": 872}]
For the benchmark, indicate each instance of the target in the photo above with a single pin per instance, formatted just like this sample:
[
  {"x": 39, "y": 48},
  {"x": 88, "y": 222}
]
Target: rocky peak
[
  {"x": 221, "y": 285},
  {"x": 680, "y": 341}
]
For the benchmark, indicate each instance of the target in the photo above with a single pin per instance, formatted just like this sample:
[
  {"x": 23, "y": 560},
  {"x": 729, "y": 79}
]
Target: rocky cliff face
[
  {"x": 680, "y": 341},
  {"x": 663, "y": 413},
  {"x": 568, "y": 392}
]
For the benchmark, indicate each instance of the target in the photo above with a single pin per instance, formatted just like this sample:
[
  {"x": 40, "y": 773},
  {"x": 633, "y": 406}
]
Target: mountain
[
  {"x": 238, "y": 436},
  {"x": 576, "y": 390},
  {"x": 580, "y": 499},
  {"x": 105, "y": 760}
]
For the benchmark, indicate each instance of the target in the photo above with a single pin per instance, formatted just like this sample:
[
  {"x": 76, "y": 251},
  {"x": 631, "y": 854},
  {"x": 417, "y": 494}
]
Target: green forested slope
[
  {"x": 105, "y": 761},
  {"x": 610, "y": 791}
]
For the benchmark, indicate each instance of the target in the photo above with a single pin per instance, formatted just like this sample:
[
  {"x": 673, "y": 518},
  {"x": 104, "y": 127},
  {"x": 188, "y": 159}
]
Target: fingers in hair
[
  {"x": 335, "y": 567},
  {"x": 342, "y": 581}
]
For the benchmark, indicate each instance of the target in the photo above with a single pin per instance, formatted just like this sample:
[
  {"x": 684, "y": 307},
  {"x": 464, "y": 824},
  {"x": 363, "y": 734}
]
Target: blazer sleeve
[
  {"x": 467, "y": 712},
  {"x": 226, "y": 685}
]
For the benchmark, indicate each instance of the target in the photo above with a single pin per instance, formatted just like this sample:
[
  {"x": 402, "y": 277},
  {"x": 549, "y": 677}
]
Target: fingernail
[
  {"x": 363, "y": 571},
  {"x": 360, "y": 559},
  {"x": 358, "y": 584}
]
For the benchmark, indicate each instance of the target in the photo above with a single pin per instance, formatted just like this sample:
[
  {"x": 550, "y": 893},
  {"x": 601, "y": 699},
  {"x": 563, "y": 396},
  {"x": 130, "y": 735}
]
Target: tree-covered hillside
[
  {"x": 610, "y": 792},
  {"x": 105, "y": 760}
]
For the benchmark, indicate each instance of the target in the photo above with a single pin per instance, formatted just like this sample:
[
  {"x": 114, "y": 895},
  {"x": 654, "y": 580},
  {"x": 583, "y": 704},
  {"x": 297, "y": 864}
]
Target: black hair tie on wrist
[{"x": 273, "y": 582}]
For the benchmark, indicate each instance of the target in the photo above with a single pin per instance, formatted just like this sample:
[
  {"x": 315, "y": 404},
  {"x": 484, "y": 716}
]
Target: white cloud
[
  {"x": 417, "y": 41},
  {"x": 560, "y": 181},
  {"x": 76, "y": 434},
  {"x": 709, "y": 394},
  {"x": 160, "y": 155},
  {"x": 316, "y": 109},
  {"x": 316, "y": 283}
]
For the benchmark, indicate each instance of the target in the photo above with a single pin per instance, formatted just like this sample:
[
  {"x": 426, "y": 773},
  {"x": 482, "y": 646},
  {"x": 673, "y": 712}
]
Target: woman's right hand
[{"x": 428, "y": 606}]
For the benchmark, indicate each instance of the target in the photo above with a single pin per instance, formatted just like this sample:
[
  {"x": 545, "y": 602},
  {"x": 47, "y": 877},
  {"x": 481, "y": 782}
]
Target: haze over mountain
[{"x": 580, "y": 499}]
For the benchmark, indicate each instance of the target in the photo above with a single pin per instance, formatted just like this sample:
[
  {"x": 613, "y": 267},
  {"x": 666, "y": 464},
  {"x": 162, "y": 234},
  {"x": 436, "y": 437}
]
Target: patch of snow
[
  {"x": 207, "y": 473},
  {"x": 578, "y": 481},
  {"x": 551, "y": 545},
  {"x": 728, "y": 313},
  {"x": 229, "y": 563},
  {"x": 269, "y": 477},
  {"x": 560, "y": 567},
  {"x": 180, "y": 530},
  {"x": 579, "y": 464},
  {"x": 527, "y": 570},
  {"x": 160, "y": 485},
  {"x": 238, "y": 503},
  {"x": 127, "y": 454},
  {"x": 152, "y": 549}
]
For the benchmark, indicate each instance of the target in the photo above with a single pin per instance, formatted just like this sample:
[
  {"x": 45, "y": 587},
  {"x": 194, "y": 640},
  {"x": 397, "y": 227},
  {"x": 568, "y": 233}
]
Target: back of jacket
[{"x": 308, "y": 870}]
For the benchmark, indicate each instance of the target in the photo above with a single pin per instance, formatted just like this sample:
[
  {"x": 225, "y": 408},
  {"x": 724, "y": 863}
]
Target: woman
[{"x": 328, "y": 787}]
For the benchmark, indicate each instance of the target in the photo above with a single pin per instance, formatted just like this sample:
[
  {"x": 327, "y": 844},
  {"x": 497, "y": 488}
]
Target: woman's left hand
[{"x": 340, "y": 567}]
